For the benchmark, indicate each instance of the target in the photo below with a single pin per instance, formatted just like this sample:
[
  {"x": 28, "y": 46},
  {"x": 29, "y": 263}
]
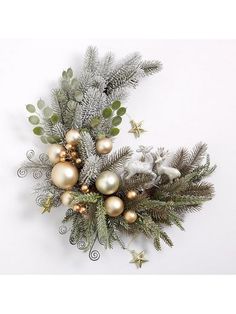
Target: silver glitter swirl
[
  {"x": 72, "y": 240},
  {"x": 30, "y": 154},
  {"x": 22, "y": 172},
  {"x": 63, "y": 229},
  {"x": 56, "y": 201},
  {"x": 37, "y": 174},
  {"x": 94, "y": 255},
  {"x": 69, "y": 212},
  {"x": 40, "y": 199},
  {"x": 48, "y": 174},
  {"x": 43, "y": 158},
  {"x": 82, "y": 245}
]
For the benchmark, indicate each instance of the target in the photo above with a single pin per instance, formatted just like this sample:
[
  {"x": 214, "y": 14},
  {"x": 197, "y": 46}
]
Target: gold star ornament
[
  {"x": 47, "y": 205},
  {"x": 136, "y": 128},
  {"x": 138, "y": 258}
]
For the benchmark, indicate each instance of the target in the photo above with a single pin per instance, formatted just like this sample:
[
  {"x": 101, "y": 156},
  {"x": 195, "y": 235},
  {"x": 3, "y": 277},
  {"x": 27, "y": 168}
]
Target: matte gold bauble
[
  {"x": 78, "y": 161},
  {"x": 54, "y": 152},
  {"x": 104, "y": 146},
  {"x": 69, "y": 147},
  {"x": 66, "y": 198},
  {"x": 72, "y": 137},
  {"x": 82, "y": 210},
  {"x": 64, "y": 175},
  {"x": 130, "y": 216},
  {"x": 107, "y": 182},
  {"x": 76, "y": 208},
  {"x": 74, "y": 155},
  {"x": 131, "y": 195},
  {"x": 114, "y": 206},
  {"x": 84, "y": 188}
]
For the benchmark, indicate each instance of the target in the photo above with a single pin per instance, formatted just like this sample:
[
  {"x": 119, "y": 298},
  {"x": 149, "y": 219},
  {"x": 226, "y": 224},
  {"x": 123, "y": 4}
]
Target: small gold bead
[
  {"x": 62, "y": 159},
  {"x": 131, "y": 195},
  {"x": 63, "y": 154},
  {"x": 77, "y": 208},
  {"x": 84, "y": 188},
  {"x": 78, "y": 161},
  {"x": 69, "y": 146},
  {"x": 82, "y": 210},
  {"x": 74, "y": 154}
]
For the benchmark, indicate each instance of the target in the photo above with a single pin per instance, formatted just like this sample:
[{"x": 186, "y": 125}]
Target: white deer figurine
[
  {"x": 172, "y": 173},
  {"x": 145, "y": 165}
]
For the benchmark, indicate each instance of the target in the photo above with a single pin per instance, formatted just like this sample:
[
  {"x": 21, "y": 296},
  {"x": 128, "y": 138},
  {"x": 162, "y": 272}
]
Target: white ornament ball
[
  {"x": 107, "y": 182},
  {"x": 114, "y": 206},
  {"x": 64, "y": 175},
  {"x": 66, "y": 198},
  {"x": 104, "y": 146},
  {"x": 72, "y": 137},
  {"x": 54, "y": 152}
]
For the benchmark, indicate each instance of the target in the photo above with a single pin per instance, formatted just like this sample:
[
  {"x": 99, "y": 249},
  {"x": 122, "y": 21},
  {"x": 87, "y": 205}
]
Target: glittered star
[
  {"x": 136, "y": 128},
  {"x": 47, "y": 205},
  {"x": 138, "y": 258}
]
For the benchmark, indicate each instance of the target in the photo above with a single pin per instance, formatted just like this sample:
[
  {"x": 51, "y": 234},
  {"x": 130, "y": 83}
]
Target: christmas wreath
[{"x": 108, "y": 194}]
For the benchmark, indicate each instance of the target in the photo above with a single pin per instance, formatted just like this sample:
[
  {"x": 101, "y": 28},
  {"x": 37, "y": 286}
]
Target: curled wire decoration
[
  {"x": 63, "y": 229},
  {"x": 43, "y": 158},
  {"x": 37, "y": 174},
  {"x": 94, "y": 255},
  {"x": 48, "y": 174},
  {"x": 82, "y": 245},
  {"x": 40, "y": 199},
  {"x": 30, "y": 154},
  {"x": 72, "y": 240},
  {"x": 69, "y": 212},
  {"x": 22, "y": 172}
]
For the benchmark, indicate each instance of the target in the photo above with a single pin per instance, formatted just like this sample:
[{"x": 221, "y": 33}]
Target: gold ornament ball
[
  {"x": 131, "y": 195},
  {"x": 114, "y": 206},
  {"x": 78, "y": 161},
  {"x": 63, "y": 154},
  {"x": 84, "y": 188},
  {"x": 64, "y": 175},
  {"x": 104, "y": 146},
  {"x": 69, "y": 146},
  {"x": 66, "y": 198},
  {"x": 54, "y": 152},
  {"x": 130, "y": 216},
  {"x": 107, "y": 182},
  {"x": 72, "y": 137},
  {"x": 74, "y": 154},
  {"x": 82, "y": 210}
]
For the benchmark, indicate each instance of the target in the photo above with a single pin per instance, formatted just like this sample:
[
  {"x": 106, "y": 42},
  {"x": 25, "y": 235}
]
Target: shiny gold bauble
[
  {"x": 107, "y": 182},
  {"x": 72, "y": 137},
  {"x": 74, "y": 155},
  {"x": 62, "y": 159},
  {"x": 131, "y": 195},
  {"x": 104, "y": 146},
  {"x": 64, "y": 175},
  {"x": 66, "y": 198},
  {"x": 130, "y": 216},
  {"x": 76, "y": 208},
  {"x": 63, "y": 154},
  {"x": 114, "y": 206},
  {"x": 69, "y": 146},
  {"x": 54, "y": 152}
]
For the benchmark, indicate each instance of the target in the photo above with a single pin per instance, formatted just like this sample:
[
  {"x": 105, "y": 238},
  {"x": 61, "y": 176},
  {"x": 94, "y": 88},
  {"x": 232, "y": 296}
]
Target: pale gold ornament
[
  {"x": 74, "y": 154},
  {"x": 72, "y": 137},
  {"x": 114, "y": 206},
  {"x": 131, "y": 194},
  {"x": 63, "y": 154},
  {"x": 54, "y": 152},
  {"x": 82, "y": 210},
  {"x": 69, "y": 146},
  {"x": 64, "y": 175},
  {"x": 66, "y": 198},
  {"x": 84, "y": 188},
  {"x": 130, "y": 216},
  {"x": 62, "y": 159},
  {"x": 107, "y": 182},
  {"x": 104, "y": 145}
]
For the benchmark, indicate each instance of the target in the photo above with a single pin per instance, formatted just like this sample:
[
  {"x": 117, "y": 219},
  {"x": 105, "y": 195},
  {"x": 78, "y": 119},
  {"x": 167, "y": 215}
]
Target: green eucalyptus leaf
[
  {"x": 114, "y": 131},
  {"x": 54, "y": 118},
  {"x": 78, "y": 95},
  {"x": 116, "y": 120},
  {"x": 64, "y": 75},
  {"x": 38, "y": 130},
  {"x": 121, "y": 111},
  {"x": 107, "y": 112},
  {"x": 34, "y": 119},
  {"x": 48, "y": 112},
  {"x": 69, "y": 73},
  {"x": 40, "y": 104},
  {"x": 116, "y": 104},
  {"x": 74, "y": 83},
  {"x": 95, "y": 122},
  {"x": 43, "y": 139},
  {"x": 53, "y": 139},
  {"x": 30, "y": 108},
  {"x": 65, "y": 85}
]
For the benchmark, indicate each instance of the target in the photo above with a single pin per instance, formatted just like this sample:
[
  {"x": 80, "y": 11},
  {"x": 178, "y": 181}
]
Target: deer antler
[
  {"x": 143, "y": 149},
  {"x": 161, "y": 152}
]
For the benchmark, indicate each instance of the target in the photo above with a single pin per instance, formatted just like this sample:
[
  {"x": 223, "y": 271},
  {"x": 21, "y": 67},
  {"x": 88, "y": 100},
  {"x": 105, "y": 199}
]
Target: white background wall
[{"x": 191, "y": 100}]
